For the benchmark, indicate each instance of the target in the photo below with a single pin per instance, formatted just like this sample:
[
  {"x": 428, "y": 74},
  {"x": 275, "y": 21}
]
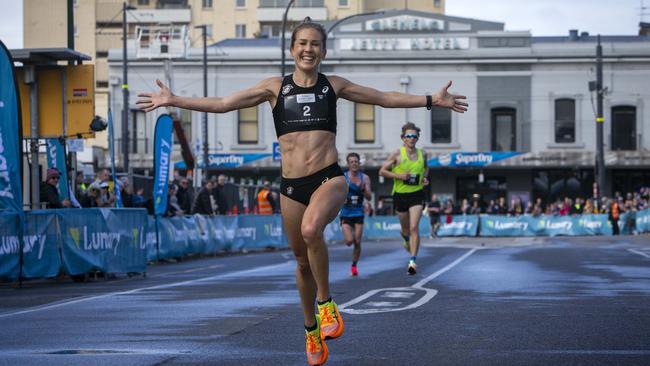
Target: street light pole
[
  {"x": 600, "y": 121},
  {"x": 329, "y": 30},
  {"x": 125, "y": 95},
  {"x": 205, "y": 95},
  {"x": 284, "y": 26}
]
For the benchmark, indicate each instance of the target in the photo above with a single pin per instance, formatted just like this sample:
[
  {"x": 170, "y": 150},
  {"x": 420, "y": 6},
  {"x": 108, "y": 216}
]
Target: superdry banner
[
  {"x": 10, "y": 136},
  {"x": 56, "y": 159},
  {"x": 462, "y": 159},
  {"x": 226, "y": 160},
  {"x": 162, "y": 154}
]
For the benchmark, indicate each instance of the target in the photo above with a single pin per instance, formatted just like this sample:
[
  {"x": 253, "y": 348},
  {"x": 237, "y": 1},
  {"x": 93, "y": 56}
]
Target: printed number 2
[{"x": 306, "y": 111}]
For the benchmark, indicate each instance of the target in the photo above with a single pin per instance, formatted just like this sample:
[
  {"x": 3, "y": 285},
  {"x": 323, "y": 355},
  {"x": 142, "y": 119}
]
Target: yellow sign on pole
[{"x": 79, "y": 100}]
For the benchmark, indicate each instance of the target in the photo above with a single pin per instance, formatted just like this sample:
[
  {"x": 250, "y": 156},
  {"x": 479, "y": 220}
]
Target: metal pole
[
  {"x": 34, "y": 179},
  {"x": 125, "y": 94},
  {"x": 600, "y": 121},
  {"x": 205, "y": 95},
  {"x": 284, "y": 27}
]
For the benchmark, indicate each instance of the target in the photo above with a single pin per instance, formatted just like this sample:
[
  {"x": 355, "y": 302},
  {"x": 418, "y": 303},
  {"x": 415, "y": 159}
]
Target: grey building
[{"x": 530, "y": 130}]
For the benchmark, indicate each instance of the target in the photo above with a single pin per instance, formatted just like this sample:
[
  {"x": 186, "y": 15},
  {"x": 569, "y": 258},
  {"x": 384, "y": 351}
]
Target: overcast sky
[{"x": 541, "y": 17}]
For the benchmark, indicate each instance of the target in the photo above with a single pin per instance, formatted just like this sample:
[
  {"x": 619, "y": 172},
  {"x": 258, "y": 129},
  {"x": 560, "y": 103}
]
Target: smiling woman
[{"x": 313, "y": 186}]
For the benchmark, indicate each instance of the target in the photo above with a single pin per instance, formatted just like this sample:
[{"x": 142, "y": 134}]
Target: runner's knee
[{"x": 311, "y": 233}]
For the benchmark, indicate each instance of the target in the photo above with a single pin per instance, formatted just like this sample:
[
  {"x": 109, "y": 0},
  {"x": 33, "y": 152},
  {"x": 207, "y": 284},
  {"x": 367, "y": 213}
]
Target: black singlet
[{"x": 305, "y": 109}]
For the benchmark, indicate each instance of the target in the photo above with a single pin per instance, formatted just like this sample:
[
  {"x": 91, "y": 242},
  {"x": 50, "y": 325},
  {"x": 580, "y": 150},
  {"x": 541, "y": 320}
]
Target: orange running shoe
[
  {"x": 331, "y": 323},
  {"x": 315, "y": 346},
  {"x": 353, "y": 271}
]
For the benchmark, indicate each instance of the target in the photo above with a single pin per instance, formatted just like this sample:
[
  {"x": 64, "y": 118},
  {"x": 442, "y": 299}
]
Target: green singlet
[{"x": 416, "y": 168}]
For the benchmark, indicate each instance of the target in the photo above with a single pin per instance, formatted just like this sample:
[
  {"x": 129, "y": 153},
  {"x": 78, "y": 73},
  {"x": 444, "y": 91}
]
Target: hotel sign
[
  {"x": 404, "y": 43},
  {"x": 404, "y": 23}
]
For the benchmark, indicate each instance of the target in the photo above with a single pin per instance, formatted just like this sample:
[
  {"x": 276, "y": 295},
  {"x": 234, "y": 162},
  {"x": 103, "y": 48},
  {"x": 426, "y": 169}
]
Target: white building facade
[{"x": 530, "y": 130}]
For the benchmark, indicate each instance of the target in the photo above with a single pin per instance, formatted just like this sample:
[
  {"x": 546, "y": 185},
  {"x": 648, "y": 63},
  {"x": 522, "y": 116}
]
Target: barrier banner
[
  {"x": 224, "y": 229},
  {"x": 56, "y": 159},
  {"x": 108, "y": 240},
  {"x": 10, "y": 136},
  {"x": 642, "y": 221},
  {"x": 162, "y": 154},
  {"x": 260, "y": 231},
  {"x": 41, "y": 251},
  {"x": 458, "y": 225},
  {"x": 195, "y": 243},
  {"x": 150, "y": 239},
  {"x": 333, "y": 231},
  {"x": 9, "y": 245},
  {"x": 626, "y": 223},
  {"x": 591, "y": 225},
  {"x": 173, "y": 238},
  {"x": 493, "y": 225}
]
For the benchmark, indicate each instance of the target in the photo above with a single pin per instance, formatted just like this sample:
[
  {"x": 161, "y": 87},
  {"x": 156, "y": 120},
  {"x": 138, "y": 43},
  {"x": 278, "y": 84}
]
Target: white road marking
[
  {"x": 400, "y": 292},
  {"x": 639, "y": 253},
  {"x": 133, "y": 291}
]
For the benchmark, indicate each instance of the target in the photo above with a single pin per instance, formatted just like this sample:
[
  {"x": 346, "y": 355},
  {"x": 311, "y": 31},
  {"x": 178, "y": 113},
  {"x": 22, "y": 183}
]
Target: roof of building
[{"x": 47, "y": 55}]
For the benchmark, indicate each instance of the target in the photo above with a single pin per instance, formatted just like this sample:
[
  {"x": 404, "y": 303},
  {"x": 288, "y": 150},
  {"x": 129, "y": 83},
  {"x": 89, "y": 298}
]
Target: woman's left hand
[{"x": 445, "y": 99}]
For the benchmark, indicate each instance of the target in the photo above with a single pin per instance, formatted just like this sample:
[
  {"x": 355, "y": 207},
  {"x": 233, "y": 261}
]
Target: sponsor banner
[
  {"x": 41, "y": 251},
  {"x": 458, "y": 225},
  {"x": 108, "y": 240},
  {"x": 492, "y": 225},
  {"x": 469, "y": 159},
  {"x": 626, "y": 223},
  {"x": 162, "y": 153},
  {"x": 56, "y": 159},
  {"x": 9, "y": 245},
  {"x": 642, "y": 221},
  {"x": 173, "y": 238},
  {"x": 10, "y": 137},
  {"x": 226, "y": 160}
]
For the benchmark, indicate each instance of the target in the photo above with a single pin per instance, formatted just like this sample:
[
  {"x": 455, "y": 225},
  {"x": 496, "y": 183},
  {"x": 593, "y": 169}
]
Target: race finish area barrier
[{"x": 124, "y": 240}]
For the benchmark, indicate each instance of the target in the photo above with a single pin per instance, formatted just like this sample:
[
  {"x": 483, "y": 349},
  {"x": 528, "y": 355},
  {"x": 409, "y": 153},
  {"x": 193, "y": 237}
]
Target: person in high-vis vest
[
  {"x": 265, "y": 200},
  {"x": 352, "y": 211},
  {"x": 408, "y": 168}
]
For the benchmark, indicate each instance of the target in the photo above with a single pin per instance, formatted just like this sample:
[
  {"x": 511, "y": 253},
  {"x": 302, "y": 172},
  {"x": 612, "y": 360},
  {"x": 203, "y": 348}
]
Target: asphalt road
[{"x": 500, "y": 301}]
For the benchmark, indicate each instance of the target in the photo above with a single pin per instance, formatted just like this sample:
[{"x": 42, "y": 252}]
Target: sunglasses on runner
[{"x": 411, "y": 136}]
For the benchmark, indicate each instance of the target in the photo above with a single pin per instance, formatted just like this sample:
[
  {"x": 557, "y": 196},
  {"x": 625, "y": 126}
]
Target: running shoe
[
  {"x": 353, "y": 271},
  {"x": 412, "y": 268},
  {"x": 331, "y": 323},
  {"x": 315, "y": 346}
]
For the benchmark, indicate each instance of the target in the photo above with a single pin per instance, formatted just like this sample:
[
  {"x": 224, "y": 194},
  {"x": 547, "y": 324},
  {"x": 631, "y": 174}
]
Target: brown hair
[
  {"x": 353, "y": 155},
  {"x": 410, "y": 126},
  {"x": 307, "y": 23}
]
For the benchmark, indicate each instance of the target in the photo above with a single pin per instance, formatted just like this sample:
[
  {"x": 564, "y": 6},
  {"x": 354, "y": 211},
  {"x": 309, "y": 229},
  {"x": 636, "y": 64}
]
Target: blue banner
[
  {"x": 41, "y": 251},
  {"x": 108, "y": 240},
  {"x": 226, "y": 160},
  {"x": 458, "y": 225},
  {"x": 492, "y": 225},
  {"x": 642, "y": 221},
  {"x": 162, "y": 153},
  {"x": 9, "y": 245},
  {"x": 10, "y": 136},
  {"x": 111, "y": 147},
  {"x": 464, "y": 159},
  {"x": 56, "y": 159}
]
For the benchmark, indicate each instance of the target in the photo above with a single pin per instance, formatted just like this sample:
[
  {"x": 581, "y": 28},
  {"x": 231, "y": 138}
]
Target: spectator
[
  {"x": 502, "y": 206},
  {"x": 588, "y": 208},
  {"x": 205, "y": 203},
  {"x": 126, "y": 192},
  {"x": 173, "y": 209},
  {"x": 492, "y": 208},
  {"x": 382, "y": 209},
  {"x": 185, "y": 194},
  {"x": 91, "y": 199},
  {"x": 49, "y": 192},
  {"x": 106, "y": 196},
  {"x": 266, "y": 200},
  {"x": 614, "y": 215},
  {"x": 577, "y": 208},
  {"x": 434, "y": 214},
  {"x": 368, "y": 210}
]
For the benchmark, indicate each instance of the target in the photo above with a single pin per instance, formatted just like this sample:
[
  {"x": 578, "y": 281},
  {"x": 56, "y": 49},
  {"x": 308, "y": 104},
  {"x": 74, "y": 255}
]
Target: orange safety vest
[
  {"x": 263, "y": 204},
  {"x": 615, "y": 212}
]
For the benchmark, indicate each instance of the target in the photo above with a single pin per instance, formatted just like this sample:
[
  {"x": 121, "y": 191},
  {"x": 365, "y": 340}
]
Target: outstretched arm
[
  {"x": 262, "y": 92},
  {"x": 362, "y": 94}
]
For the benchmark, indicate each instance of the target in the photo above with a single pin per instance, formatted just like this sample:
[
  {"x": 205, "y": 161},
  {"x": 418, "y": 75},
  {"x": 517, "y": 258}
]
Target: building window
[
  {"x": 186, "y": 123},
  {"x": 623, "y": 128},
  {"x": 240, "y": 3},
  {"x": 364, "y": 123},
  {"x": 143, "y": 2},
  {"x": 565, "y": 120},
  {"x": 436, "y": 4},
  {"x": 344, "y": 3},
  {"x": 440, "y": 125},
  {"x": 503, "y": 129},
  {"x": 247, "y": 127},
  {"x": 207, "y": 3},
  {"x": 208, "y": 30},
  {"x": 240, "y": 30}
]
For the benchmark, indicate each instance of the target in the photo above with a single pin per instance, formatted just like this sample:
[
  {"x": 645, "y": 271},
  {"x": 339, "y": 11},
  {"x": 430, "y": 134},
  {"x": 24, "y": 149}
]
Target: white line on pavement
[
  {"x": 157, "y": 287},
  {"x": 639, "y": 252},
  {"x": 417, "y": 287}
]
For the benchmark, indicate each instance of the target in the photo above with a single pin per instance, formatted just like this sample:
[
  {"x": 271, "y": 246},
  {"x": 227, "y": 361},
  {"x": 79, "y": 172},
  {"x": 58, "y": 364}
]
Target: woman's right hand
[{"x": 150, "y": 101}]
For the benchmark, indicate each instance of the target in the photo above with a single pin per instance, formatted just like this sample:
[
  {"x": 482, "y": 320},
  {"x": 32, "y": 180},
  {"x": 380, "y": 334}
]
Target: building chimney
[{"x": 573, "y": 34}]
